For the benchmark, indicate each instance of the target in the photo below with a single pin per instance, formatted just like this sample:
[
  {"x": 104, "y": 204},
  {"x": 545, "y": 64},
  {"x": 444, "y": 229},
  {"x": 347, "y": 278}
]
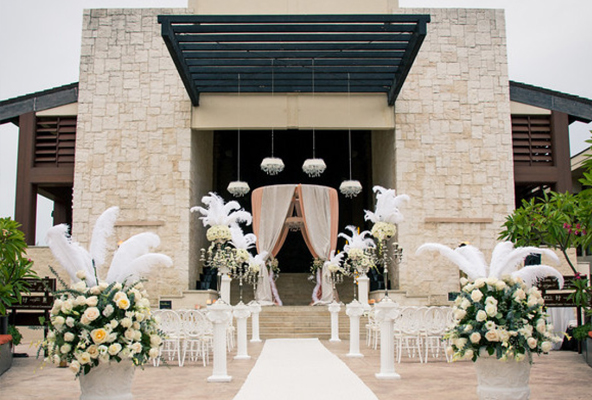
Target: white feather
[
  {"x": 128, "y": 251},
  {"x": 240, "y": 240},
  {"x": 461, "y": 261},
  {"x": 259, "y": 259},
  {"x": 219, "y": 213},
  {"x": 500, "y": 252},
  {"x": 475, "y": 257},
  {"x": 102, "y": 230},
  {"x": 387, "y": 206},
  {"x": 69, "y": 254},
  {"x": 532, "y": 273},
  {"x": 356, "y": 240},
  {"x": 139, "y": 268},
  {"x": 514, "y": 259}
]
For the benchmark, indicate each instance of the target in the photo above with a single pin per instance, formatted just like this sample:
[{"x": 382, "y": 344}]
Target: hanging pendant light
[
  {"x": 238, "y": 188},
  {"x": 350, "y": 188},
  {"x": 272, "y": 165},
  {"x": 314, "y": 167}
]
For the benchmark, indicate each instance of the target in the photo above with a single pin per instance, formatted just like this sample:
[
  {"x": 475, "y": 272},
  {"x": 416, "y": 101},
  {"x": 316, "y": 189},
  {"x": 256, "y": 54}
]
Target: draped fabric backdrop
[{"x": 319, "y": 209}]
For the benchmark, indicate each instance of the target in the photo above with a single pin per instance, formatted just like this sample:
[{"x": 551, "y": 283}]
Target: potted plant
[
  {"x": 499, "y": 316},
  {"x": 15, "y": 268}
]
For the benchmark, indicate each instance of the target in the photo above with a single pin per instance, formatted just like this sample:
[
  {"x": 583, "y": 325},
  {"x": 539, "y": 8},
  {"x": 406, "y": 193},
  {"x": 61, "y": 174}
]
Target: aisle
[{"x": 301, "y": 369}]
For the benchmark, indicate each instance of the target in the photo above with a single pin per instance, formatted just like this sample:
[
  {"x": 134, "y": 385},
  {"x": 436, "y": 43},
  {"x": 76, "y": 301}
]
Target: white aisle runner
[{"x": 301, "y": 369}]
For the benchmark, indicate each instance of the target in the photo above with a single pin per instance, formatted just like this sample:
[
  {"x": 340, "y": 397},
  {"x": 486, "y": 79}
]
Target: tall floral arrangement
[
  {"x": 98, "y": 321},
  {"x": 386, "y": 214},
  {"x": 359, "y": 257},
  {"x": 498, "y": 311}
]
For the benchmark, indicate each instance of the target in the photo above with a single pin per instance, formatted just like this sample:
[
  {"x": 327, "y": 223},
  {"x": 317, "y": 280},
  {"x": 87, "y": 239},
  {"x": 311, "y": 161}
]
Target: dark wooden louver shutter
[
  {"x": 531, "y": 137},
  {"x": 55, "y": 141}
]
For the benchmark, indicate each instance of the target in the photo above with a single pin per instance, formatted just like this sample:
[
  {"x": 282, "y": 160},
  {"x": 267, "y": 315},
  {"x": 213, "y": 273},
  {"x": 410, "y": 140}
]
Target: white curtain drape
[
  {"x": 270, "y": 209},
  {"x": 317, "y": 212}
]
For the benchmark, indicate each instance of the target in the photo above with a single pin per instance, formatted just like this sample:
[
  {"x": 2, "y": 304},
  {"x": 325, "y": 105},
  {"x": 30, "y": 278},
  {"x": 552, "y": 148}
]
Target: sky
[{"x": 549, "y": 45}]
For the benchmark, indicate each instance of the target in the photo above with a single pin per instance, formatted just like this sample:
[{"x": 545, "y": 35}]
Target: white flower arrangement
[
  {"x": 218, "y": 234},
  {"x": 102, "y": 323},
  {"x": 501, "y": 318},
  {"x": 383, "y": 230}
]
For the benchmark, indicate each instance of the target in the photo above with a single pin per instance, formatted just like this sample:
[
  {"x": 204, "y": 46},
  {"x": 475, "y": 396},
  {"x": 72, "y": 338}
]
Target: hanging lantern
[
  {"x": 350, "y": 188},
  {"x": 238, "y": 188},
  {"x": 272, "y": 165},
  {"x": 314, "y": 167}
]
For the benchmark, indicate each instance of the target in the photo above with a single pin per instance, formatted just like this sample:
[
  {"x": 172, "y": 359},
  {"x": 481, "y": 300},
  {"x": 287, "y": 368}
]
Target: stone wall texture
[
  {"x": 453, "y": 143},
  {"x": 133, "y": 147}
]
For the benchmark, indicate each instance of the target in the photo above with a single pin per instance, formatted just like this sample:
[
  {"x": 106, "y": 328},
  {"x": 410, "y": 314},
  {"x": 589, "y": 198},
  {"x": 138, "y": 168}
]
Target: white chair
[
  {"x": 372, "y": 330},
  {"x": 230, "y": 334},
  {"x": 436, "y": 320},
  {"x": 199, "y": 336},
  {"x": 409, "y": 332},
  {"x": 170, "y": 325}
]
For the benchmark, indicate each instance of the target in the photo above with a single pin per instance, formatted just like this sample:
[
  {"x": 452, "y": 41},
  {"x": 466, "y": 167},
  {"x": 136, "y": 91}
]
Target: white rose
[
  {"x": 70, "y": 322},
  {"x": 92, "y": 301},
  {"x": 103, "y": 285},
  {"x": 459, "y": 314},
  {"x": 481, "y": 316},
  {"x": 500, "y": 285},
  {"x": 155, "y": 340},
  {"x": 476, "y": 295},
  {"x": 59, "y": 321},
  {"x": 491, "y": 281},
  {"x": 546, "y": 346},
  {"x": 74, "y": 366},
  {"x": 492, "y": 336},
  {"x": 532, "y": 342},
  {"x": 65, "y": 349},
  {"x": 460, "y": 342},
  {"x": 519, "y": 295},
  {"x": 114, "y": 323},
  {"x": 108, "y": 310},
  {"x": 465, "y": 304},
  {"x": 130, "y": 334},
  {"x": 491, "y": 300},
  {"x": 491, "y": 309},
  {"x": 140, "y": 316},
  {"x": 520, "y": 357},
  {"x": 153, "y": 353},
  {"x": 81, "y": 274},
  {"x": 114, "y": 349},
  {"x": 475, "y": 337},
  {"x": 136, "y": 347},
  {"x": 137, "y": 336},
  {"x": 126, "y": 322},
  {"x": 83, "y": 358},
  {"x": 80, "y": 300},
  {"x": 136, "y": 325},
  {"x": 69, "y": 336},
  {"x": 93, "y": 350},
  {"x": 92, "y": 313},
  {"x": 479, "y": 283},
  {"x": 469, "y": 354},
  {"x": 79, "y": 286},
  {"x": 463, "y": 281},
  {"x": 67, "y": 306},
  {"x": 541, "y": 326}
]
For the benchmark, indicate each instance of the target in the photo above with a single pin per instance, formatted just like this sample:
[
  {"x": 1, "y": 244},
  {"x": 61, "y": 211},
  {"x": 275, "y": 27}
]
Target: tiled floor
[{"x": 559, "y": 375}]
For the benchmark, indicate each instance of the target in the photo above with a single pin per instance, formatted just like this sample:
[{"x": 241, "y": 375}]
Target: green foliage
[
  {"x": 14, "y": 265},
  {"x": 16, "y": 335}
]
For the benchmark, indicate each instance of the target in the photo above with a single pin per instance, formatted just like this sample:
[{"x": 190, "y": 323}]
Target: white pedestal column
[
  {"x": 241, "y": 313},
  {"x": 363, "y": 289},
  {"x": 386, "y": 312},
  {"x": 255, "y": 310},
  {"x": 225, "y": 288},
  {"x": 354, "y": 310},
  {"x": 334, "y": 309},
  {"x": 219, "y": 314}
]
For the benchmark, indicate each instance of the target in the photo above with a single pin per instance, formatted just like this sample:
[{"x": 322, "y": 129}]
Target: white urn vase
[
  {"x": 111, "y": 381},
  {"x": 502, "y": 380}
]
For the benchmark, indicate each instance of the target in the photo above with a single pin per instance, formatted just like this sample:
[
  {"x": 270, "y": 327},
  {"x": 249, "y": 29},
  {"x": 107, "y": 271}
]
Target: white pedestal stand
[
  {"x": 386, "y": 312},
  {"x": 241, "y": 312},
  {"x": 225, "y": 288},
  {"x": 363, "y": 288},
  {"x": 219, "y": 313},
  {"x": 334, "y": 309},
  {"x": 354, "y": 310},
  {"x": 255, "y": 310}
]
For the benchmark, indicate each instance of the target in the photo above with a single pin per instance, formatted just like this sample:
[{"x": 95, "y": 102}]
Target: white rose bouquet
[
  {"x": 499, "y": 317},
  {"x": 102, "y": 323}
]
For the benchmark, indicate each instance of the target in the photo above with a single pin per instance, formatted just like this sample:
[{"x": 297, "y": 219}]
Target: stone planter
[
  {"x": 502, "y": 380},
  {"x": 111, "y": 381}
]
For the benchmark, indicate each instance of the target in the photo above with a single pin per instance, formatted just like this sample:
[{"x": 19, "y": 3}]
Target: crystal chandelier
[
  {"x": 350, "y": 188},
  {"x": 272, "y": 165},
  {"x": 238, "y": 188},
  {"x": 314, "y": 167}
]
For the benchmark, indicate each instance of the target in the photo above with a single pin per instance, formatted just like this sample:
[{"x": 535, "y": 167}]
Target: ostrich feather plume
[
  {"x": 71, "y": 255},
  {"x": 240, "y": 240},
  {"x": 102, "y": 230},
  {"x": 134, "y": 247},
  {"x": 387, "y": 206},
  {"x": 334, "y": 259},
  {"x": 259, "y": 259},
  {"x": 139, "y": 267},
  {"x": 505, "y": 260},
  {"x": 218, "y": 213},
  {"x": 361, "y": 240}
]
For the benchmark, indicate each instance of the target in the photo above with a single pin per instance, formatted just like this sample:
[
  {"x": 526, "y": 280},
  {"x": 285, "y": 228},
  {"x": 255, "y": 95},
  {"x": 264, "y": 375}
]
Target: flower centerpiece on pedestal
[
  {"x": 103, "y": 328},
  {"x": 499, "y": 316},
  {"x": 385, "y": 217},
  {"x": 360, "y": 258},
  {"x": 334, "y": 272}
]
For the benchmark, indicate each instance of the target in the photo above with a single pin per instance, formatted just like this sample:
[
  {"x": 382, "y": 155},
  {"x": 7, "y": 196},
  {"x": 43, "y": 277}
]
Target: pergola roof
[{"x": 293, "y": 53}]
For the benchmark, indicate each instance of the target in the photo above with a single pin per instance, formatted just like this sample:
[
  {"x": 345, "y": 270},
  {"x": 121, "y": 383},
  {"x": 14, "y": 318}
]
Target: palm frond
[{"x": 102, "y": 230}]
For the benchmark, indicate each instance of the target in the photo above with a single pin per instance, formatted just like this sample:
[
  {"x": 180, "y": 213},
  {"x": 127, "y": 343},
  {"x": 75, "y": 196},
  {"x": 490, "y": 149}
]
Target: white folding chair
[
  {"x": 408, "y": 332},
  {"x": 436, "y": 322},
  {"x": 198, "y": 336},
  {"x": 170, "y": 325}
]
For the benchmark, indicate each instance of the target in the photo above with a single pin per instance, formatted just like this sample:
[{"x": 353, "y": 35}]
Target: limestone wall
[
  {"x": 453, "y": 143},
  {"x": 134, "y": 141}
]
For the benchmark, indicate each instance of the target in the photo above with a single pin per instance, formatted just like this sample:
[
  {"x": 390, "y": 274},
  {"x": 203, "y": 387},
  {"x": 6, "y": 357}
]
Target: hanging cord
[
  {"x": 239, "y": 131},
  {"x": 313, "y": 97},
  {"x": 349, "y": 128},
  {"x": 272, "y": 92}
]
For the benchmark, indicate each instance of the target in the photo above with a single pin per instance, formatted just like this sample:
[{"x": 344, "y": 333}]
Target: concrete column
[
  {"x": 354, "y": 310},
  {"x": 255, "y": 310},
  {"x": 386, "y": 311},
  {"x": 225, "y": 288},
  {"x": 219, "y": 313},
  {"x": 363, "y": 289},
  {"x": 334, "y": 309},
  {"x": 241, "y": 313}
]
